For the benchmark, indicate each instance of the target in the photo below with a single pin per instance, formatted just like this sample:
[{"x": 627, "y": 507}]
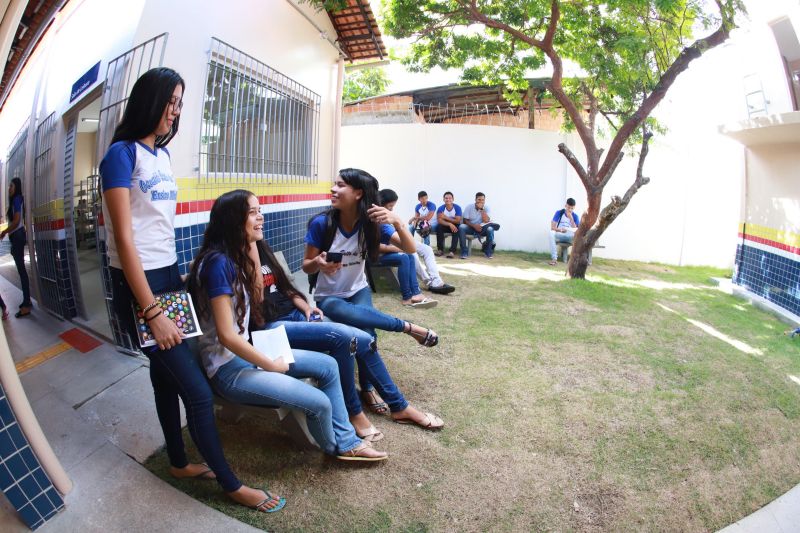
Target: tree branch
[
  {"x": 686, "y": 56},
  {"x": 576, "y": 164}
]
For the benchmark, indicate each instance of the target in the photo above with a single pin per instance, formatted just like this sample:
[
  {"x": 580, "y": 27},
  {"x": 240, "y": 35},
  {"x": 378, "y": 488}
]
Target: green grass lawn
[{"x": 640, "y": 399}]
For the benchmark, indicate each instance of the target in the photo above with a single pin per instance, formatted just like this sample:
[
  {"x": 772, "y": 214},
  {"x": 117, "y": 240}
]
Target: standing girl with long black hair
[
  {"x": 139, "y": 200},
  {"x": 16, "y": 234}
]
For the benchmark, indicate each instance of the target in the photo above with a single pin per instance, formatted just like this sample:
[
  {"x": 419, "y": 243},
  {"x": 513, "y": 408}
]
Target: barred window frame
[{"x": 274, "y": 137}]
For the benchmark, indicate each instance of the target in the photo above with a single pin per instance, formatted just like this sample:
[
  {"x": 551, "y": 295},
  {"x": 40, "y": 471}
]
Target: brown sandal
[
  {"x": 363, "y": 452},
  {"x": 434, "y": 423}
]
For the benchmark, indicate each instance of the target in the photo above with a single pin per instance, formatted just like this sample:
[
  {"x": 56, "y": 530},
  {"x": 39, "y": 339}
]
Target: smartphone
[{"x": 333, "y": 257}]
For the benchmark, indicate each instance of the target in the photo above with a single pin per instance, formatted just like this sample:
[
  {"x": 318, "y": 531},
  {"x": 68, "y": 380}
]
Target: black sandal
[
  {"x": 430, "y": 339},
  {"x": 370, "y": 400}
]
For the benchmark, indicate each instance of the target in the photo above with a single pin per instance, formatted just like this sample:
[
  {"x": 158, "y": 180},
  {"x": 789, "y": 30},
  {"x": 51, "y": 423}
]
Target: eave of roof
[{"x": 358, "y": 33}]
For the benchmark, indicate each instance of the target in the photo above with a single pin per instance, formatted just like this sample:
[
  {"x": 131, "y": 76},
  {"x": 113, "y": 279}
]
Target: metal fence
[
  {"x": 388, "y": 112},
  {"x": 256, "y": 121},
  {"x": 14, "y": 168}
]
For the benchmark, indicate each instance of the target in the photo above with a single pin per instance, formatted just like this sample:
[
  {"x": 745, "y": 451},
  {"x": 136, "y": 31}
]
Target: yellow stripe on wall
[
  {"x": 786, "y": 237},
  {"x": 192, "y": 189}
]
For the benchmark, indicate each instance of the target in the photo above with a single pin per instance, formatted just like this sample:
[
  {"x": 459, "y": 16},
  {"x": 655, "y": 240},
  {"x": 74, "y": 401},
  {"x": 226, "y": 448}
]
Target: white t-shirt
[
  {"x": 217, "y": 275},
  {"x": 350, "y": 278},
  {"x": 154, "y": 196}
]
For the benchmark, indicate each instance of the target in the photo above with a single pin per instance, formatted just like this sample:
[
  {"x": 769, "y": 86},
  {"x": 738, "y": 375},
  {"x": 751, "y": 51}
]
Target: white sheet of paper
[{"x": 273, "y": 343}]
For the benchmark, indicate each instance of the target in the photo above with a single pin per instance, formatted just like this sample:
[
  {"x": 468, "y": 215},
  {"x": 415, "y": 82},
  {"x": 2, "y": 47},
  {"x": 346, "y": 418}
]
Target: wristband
[{"x": 148, "y": 320}]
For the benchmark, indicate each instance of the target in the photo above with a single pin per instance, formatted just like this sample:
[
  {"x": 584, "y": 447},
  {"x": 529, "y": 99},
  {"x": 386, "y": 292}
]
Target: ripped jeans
[{"x": 347, "y": 345}]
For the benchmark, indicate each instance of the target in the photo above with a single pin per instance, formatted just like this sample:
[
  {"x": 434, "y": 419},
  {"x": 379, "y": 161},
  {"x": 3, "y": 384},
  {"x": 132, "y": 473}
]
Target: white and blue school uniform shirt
[
  {"x": 452, "y": 213},
  {"x": 423, "y": 210},
  {"x": 217, "y": 275},
  {"x": 562, "y": 220},
  {"x": 350, "y": 278},
  {"x": 16, "y": 207},
  {"x": 154, "y": 197}
]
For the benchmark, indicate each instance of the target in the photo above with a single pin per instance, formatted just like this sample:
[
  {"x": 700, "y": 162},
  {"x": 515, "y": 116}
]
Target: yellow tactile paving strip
[{"x": 39, "y": 358}]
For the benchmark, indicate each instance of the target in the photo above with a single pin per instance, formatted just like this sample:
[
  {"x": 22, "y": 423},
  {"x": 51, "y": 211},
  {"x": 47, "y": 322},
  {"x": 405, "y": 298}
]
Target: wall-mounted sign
[{"x": 84, "y": 82}]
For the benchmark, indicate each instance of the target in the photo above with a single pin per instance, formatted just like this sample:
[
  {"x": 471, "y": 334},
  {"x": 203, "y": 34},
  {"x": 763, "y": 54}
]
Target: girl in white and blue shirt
[{"x": 359, "y": 225}]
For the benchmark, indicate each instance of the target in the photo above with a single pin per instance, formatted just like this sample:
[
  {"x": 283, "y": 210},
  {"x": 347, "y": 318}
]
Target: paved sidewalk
[{"x": 97, "y": 411}]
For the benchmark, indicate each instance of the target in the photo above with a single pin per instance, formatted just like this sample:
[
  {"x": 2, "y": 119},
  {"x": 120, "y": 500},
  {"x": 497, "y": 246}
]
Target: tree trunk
[{"x": 586, "y": 237}]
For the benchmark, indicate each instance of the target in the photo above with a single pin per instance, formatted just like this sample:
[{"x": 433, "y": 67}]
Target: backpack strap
[{"x": 327, "y": 241}]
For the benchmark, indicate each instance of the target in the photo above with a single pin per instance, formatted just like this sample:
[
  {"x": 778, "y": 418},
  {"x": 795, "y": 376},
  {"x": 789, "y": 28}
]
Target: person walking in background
[
  {"x": 477, "y": 221},
  {"x": 562, "y": 228},
  {"x": 16, "y": 234},
  {"x": 139, "y": 200},
  {"x": 448, "y": 217}
]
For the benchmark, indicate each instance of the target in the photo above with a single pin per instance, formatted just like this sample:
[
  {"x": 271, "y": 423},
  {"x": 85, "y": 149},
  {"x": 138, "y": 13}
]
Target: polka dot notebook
[{"x": 178, "y": 307}]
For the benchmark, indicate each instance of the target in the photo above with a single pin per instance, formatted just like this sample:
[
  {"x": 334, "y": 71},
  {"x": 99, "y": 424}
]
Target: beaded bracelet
[{"x": 149, "y": 307}]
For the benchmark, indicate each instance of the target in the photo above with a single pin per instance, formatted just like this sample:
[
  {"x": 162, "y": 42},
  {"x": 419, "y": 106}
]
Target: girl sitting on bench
[{"x": 227, "y": 286}]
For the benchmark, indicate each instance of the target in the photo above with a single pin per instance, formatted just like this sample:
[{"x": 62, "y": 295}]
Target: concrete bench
[
  {"x": 471, "y": 239},
  {"x": 563, "y": 251}
]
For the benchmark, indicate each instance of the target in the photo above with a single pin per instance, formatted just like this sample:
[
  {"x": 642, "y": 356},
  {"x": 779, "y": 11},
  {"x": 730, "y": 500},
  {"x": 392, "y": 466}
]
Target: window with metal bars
[{"x": 257, "y": 122}]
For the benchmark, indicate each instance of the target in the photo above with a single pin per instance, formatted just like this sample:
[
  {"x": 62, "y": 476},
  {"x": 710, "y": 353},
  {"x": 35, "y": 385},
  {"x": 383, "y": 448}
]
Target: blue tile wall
[
  {"x": 284, "y": 231},
  {"x": 769, "y": 275},
  {"x": 22, "y": 478}
]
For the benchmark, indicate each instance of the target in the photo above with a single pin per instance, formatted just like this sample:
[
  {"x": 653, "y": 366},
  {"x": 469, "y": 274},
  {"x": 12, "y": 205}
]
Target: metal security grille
[
  {"x": 257, "y": 122},
  {"x": 69, "y": 209},
  {"x": 15, "y": 168},
  {"x": 48, "y": 230},
  {"x": 121, "y": 74}
]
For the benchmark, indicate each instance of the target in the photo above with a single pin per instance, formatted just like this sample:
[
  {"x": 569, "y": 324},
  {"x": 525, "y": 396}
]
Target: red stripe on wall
[
  {"x": 774, "y": 244},
  {"x": 201, "y": 206},
  {"x": 49, "y": 225}
]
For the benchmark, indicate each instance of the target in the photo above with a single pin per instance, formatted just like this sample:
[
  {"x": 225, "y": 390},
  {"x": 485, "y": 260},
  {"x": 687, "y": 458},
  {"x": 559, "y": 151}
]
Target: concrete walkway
[{"x": 98, "y": 413}]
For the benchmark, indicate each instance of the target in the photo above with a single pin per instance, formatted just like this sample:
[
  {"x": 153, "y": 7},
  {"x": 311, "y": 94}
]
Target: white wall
[
  {"x": 688, "y": 214},
  {"x": 273, "y": 32}
]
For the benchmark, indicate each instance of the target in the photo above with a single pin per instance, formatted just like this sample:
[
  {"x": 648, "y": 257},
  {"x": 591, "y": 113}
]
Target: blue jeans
[
  {"x": 175, "y": 373},
  {"x": 487, "y": 232},
  {"x": 556, "y": 237},
  {"x": 242, "y": 382},
  {"x": 346, "y": 345},
  {"x": 357, "y": 311},
  {"x": 18, "y": 241},
  {"x": 406, "y": 272}
]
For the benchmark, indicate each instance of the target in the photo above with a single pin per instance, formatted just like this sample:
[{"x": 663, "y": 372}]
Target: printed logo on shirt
[
  {"x": 269, "y": 279},
  {"x": 158, "y": 177}
]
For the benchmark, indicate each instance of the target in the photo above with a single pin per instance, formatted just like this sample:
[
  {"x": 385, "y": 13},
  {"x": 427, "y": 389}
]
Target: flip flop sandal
[
  {"x": 260, "y": 505},
  {"x": 204, "y": 475},
  {"x": 434, "y": 422},
  {"x": 427, "y": 303},
  {"x": 20, "y": 314},
  {"x": 369, "y": 398},
  {"x": 356, "y": 454},
  {"x": 372, "y": 434}
]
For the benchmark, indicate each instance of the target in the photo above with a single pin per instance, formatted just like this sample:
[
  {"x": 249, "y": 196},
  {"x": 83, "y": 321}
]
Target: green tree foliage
[
  {"x": 627, "y": 53},
  {"x": 364, "y": 83}
]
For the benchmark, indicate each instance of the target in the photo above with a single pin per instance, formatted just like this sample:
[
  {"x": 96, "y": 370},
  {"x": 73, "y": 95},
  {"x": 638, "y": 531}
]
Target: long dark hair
[
  {"x": 146, "y": 104},
  {"x": 225, "y": 235},
  {"x": 17, "y": 192},
  {"x": 369, "y": 235},
  {"x": 282, "y": 281}
]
